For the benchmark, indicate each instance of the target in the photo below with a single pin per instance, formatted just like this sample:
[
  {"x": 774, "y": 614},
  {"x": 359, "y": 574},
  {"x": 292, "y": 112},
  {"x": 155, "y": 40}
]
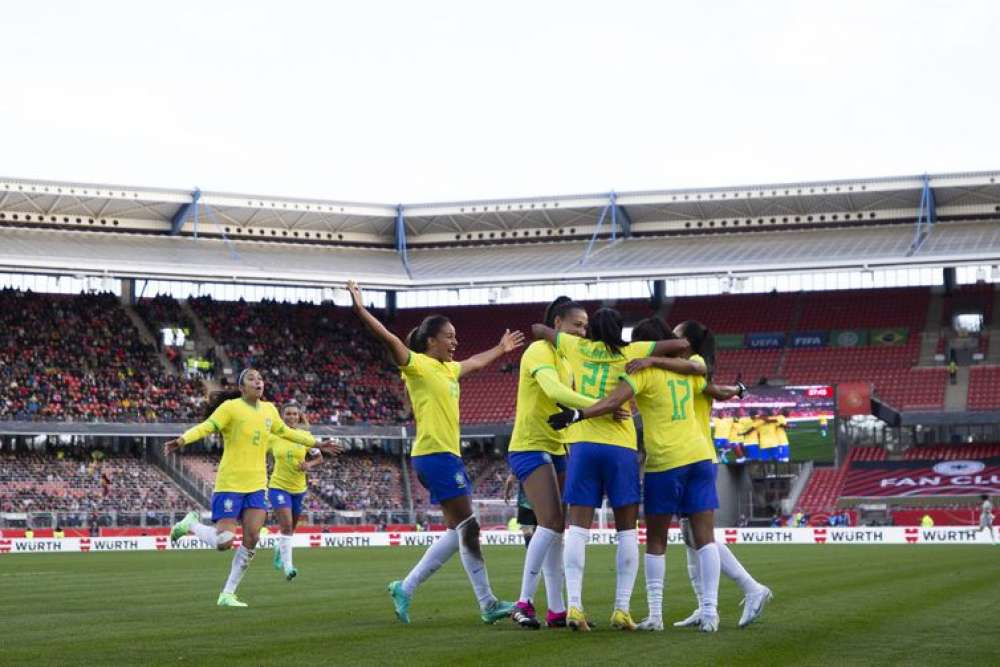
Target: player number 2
[
  {"x": 680, "y": 406},
  {"x": 591, "y": 380}
]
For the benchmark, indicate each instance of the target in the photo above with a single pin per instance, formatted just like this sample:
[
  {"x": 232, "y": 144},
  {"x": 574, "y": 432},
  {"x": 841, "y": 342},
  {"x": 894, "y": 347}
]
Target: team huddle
[
  {"x": 574, "y": 443},
  {"x": 757, "y": 435}
]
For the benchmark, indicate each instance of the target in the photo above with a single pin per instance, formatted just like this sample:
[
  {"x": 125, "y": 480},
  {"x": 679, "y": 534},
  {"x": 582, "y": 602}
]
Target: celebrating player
[
  {"x": 537, "y": 456},
  {"x": 246, "y": 422},
  {"x": 287, "y": 487},
  {"x": 603, "y": 459},
  {"x": 431, "y": 376},
  {"x": 986, "y": 517}
]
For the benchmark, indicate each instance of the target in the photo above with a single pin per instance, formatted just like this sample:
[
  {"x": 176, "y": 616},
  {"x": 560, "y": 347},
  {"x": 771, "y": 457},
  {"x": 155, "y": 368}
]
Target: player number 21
[{"x": 591, "y": 380}]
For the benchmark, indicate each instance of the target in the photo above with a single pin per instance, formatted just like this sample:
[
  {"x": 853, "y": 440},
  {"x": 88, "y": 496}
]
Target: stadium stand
[{"x": 984, "y": 388}]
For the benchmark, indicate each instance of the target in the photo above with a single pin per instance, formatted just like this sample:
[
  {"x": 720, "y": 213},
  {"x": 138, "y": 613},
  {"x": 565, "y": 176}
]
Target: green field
[
  {"x": 808, "y": 444},
  {"x": 845, "y": 604}
]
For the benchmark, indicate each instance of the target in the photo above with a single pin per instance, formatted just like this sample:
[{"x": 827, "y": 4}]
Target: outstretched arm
[
  {"x": 548, "y": 380},
  {"x": 724, "y": 392},
  {"x": 542, "y": 332},
  {"x": 663, "y": 348},
  {"x": 477, "y": 362},
  {"x": 397, "y": 349},
  {"x": 682, "y": 366}
]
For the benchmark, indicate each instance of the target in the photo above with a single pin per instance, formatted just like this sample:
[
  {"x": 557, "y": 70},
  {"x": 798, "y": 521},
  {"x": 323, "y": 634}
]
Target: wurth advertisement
[{"x": 971, "y": 477}]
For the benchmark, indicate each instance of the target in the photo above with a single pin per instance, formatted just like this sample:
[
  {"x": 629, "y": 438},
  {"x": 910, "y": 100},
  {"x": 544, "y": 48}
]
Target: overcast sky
[{"x": 435, "y": 101}]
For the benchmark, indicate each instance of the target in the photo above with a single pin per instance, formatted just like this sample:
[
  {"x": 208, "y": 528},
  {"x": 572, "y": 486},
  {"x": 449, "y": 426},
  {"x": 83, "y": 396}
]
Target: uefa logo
[{"x": 959, "y": 467}]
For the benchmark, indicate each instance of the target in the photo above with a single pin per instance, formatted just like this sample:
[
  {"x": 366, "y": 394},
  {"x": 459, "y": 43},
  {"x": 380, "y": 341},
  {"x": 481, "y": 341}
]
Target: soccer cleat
[
  {"x": 693, "y": 619},
  {"x": 709, "y": 623},
  {"x": 576, "y": 620},
  {"x": 651, "y": 625},
  {"x": 277, "y": 561},
  {"x": 753, "y": 605},
  {"x": 499, "y": 609},
  {"x": 400, "y": 600},
  {"x": 622, "y": 620},
  {"x": 291, "y": 573},
  {"x": 183, "y": 527},
  {"x": 524, "y": 615},
  {"x": 555, "y": 620},
  {"x": 229, "y": 600}
]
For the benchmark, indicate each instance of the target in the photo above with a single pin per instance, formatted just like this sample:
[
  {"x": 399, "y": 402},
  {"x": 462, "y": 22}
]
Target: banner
[
  {"x": 849, "y": 337},
  {"x": 817, "y": 535},
  {"x": 867, "y": 479},
  {"x": 889, "y": 337},
  {"x": 809, "y": 339},
  {"x": 765, "y": 340},
  {"x": 729, "y": 341},
  {"x": 854, "y": 398}
]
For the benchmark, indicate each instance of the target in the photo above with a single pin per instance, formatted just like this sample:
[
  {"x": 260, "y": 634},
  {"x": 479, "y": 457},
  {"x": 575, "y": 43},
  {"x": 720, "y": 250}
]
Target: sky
[{"x": 441, "y": 101}]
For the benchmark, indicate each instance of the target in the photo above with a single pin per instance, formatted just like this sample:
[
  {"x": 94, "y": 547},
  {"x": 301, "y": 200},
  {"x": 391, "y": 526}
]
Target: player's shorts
[
  {"x": 442, "y": 474},
  {"x": 721, "y": 443},
  {"x": 770, "y": 453},
  {"x": 784, "y": 453},
  {"x": 526, "y": 516},
  {"x": 524, "y": 463},
  {"x": 985, "y": 521},
  {"x": 280, "y": 499},
  {"x": 684, "y": 490},
  {"x": 596, "y": 470},
  {"x": 751, "y": 452},
  {"x": 230, "y": 505}
]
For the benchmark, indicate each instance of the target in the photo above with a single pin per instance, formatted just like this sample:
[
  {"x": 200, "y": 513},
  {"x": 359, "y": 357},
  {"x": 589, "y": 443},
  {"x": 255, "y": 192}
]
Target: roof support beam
[
  {"x": 926, "y": 217},
  {"x": 616, "y": 210},
  {"x": 191, "y": 208},
  {"x": 624, "y": 219},
  {"x": 401, "y": 239}
]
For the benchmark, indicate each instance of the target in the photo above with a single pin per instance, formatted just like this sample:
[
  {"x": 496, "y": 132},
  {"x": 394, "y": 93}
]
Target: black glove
[
  {"x": 742, "y": 389},
  {"x": 567, "y": 416}
]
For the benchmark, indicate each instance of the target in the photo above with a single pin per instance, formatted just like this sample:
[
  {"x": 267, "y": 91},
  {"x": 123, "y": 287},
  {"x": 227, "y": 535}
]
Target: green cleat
[
  {"x": 291, "y": 573},
  {"x": 229, "y": 600},
  {"x": 183, "y": 527},
  {"x": 498, "y": 610},
  {"x": 400, "y": 600},
  {"x": 277, "y": 561}
]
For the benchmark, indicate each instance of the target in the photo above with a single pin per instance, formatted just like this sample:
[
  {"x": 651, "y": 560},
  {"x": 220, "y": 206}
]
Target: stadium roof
[{"x": 77, "y": 228}]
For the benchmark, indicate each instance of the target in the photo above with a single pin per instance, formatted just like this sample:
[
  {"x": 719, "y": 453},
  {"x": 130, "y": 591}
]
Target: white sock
[
  {"x": 285, "y": 547},
  {"x": 574, "y": 558},
  {"x": 436, "y": 555},
  {"x": 472, "y": 560},
  {"x": 206, "y": 534},
  {"x": 693, "y": 574},
  {"x": 656, "y": 567},
  {"x": 732, "y": 568},
  {"x": 553, "y": 571},
  {"x": 708, "y": 569},
  {"x": 534, "y": 560},
  {"x": 241, "y": 561},
  {"x": 626, "y": 567}
]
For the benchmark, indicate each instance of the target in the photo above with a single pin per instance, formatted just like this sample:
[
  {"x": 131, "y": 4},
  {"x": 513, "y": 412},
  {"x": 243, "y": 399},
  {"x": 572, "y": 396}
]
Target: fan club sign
[{"x": 868, "y": 479}]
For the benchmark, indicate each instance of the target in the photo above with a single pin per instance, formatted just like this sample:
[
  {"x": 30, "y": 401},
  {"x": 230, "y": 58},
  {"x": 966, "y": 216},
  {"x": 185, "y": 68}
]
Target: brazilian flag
[{"x": 894, "y": 337}]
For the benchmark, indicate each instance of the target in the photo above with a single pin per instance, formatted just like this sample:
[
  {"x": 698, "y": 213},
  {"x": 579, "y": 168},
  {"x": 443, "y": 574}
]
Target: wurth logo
[
  {"x": 5, "y": 546},
  {"x": 314, "y": 540},
  {"x": 394, "y": 539},
  {"x": 912, "y": 535},
  {"x": 84, "y": 544},
  {"x": 731, "y": 535},
  {"x": 819, "y": 535},
  {"x": 642, "y": 535}
]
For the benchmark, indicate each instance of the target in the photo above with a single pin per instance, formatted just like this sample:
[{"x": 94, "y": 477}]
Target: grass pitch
[
  {"x": 807, "y": 442},
  {"x": 847, "y": 605}
]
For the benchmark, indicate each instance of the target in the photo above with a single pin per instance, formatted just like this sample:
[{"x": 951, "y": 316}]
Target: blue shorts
[
  {"x": 684, "y": 490},
  {"x": 443, "y": 475},
  {"x": 280, "y": 498},
  {"x": 721, "y": 443},
  {"x": 752, "y": 452},
  {"x": 768, "y": 454},
  {"x": 596, "y": 470},
  {"x": 523, "y": 464},
  {"x": 784, "y": 453},
  {"x": 230, "y": 505}
]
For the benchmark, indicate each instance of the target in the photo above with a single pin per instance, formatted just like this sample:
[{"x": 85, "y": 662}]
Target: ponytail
[
  {"x": 416, "y": 340},
  {"x": 702, "y": 343},
  {"x": 217, "y": 398},
  {"x": 560, "y": 307}
]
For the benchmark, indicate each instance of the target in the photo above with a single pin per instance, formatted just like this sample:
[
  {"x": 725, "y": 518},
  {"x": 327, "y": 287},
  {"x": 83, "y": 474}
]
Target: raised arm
[
  {"x": 548, "y": 380},
  {"x": 724, "y": 392},
  {"x": 400, "y": 353},
  {"x": 477, "y": 362},
  {"x": 682, "y": 366},
  {"x": 282, "y": 430},
  {"x": 214, "y": 424},
  {"x": 663, "y": 348},
  {"x": 542, "y": 332}
]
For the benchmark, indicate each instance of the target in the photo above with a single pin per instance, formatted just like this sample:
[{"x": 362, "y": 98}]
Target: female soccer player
[
  {"x": 287, "y": 487},
  {"x": 603, "y": 460},
  {"x": 698, "y": 531},
  {"x": 246, "y": 421},
  {"x": 537, "y": 456},
  {"x": 431, "y": 377}
]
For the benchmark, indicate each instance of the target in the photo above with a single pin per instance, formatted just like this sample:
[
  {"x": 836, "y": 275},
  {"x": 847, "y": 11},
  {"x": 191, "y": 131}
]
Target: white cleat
[
  {"x": 690, "y": 621},
  {"x": 753, "y": 605},
  {"x": 709, "y": 623},
  {"x": 650, "y": 624}
]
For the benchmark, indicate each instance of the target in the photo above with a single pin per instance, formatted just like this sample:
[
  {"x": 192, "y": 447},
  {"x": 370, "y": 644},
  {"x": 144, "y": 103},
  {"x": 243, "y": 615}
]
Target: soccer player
[
  {"x": 736, "y": 436},
  {"x": 431, "y": 376},
  {"x": 603, "y": 458},
  {"x": 824, "y": 424},
  {"x": 784, "y": 449},
  {"x": 537, "y": 456},
  {"x": 287, "y": 487},
  {"x": 770, "y": 443},
  {"x": 721, "y": 427},
  {"x": 750, "y": 431},
  {"x": 706, "y": 583},
  {"x": 246, "y": 422},
  {"x": 986, "y": 517}
]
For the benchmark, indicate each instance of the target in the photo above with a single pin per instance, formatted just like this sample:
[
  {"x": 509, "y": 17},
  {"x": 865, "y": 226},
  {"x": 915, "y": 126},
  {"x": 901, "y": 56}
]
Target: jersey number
[
  {"x": 680, "y": 406},
  {"x": 256, "y": 438},
  {"x": 598, "y": 387}
]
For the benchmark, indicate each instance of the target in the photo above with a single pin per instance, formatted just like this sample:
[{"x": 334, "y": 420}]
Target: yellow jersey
[
  {"x": 596, "y": 372},
  {"x": 671, "y": 431},
  {"x": 433, "y": 389},
  {"x": 703, "y": 413},
  {"x": 735, "y": 433},
  {"x": 782, "y": 425},
  {"x": 823, "y": 421},
  {"x": 532, "y": 432},
  {"x": 722, "y": 427},
  {"x": 287, "y": 457},
  {"x": 245, "y": 431},
  {"x": 742, "y": 425},
  {"x": 769, "y": 435},
  {"x": 753, "y": 437}
]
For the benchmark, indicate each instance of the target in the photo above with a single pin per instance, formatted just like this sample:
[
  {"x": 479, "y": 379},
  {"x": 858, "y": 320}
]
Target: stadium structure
[{"x": 884, "y": 288}]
